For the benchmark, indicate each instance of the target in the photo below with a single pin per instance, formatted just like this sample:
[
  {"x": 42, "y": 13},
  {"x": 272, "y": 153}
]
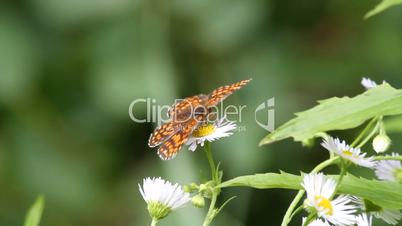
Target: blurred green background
[{"x": 70, "y": 68}]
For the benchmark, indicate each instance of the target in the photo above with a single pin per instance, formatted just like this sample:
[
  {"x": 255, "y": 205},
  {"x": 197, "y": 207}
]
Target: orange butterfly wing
[
  {"x": 163, "y": 133},
  {"x": 186, "y": 105},
  {"x": 171, "y": 147},
  {"x": 222, "y": 92},
  {"x": 179, "y": 113}
]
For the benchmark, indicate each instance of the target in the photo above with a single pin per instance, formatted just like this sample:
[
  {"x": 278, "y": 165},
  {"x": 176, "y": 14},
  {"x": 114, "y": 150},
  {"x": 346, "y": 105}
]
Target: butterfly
[{"x": 185, "y": 116}]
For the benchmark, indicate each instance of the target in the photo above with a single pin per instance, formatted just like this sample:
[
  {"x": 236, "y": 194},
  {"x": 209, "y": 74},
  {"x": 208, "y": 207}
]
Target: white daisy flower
[
  {"x": 210, "y": 132},
  {"x": 387, "y": 215},
  {"x": 320, "y": 190},
  {"x": 364, "y": 220},
  {"x": 162, "y": 196},
  {"x": 390, "y": 170},
  {"x": 345, "y": 151},
  {"x": 368, "y": 83},
  {"x": 316, "y": 222}
]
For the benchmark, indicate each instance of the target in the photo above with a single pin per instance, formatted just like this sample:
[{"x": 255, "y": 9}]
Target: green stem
[
  {"x": 344, "y": 168},
  {"x": 154, "y": 222},
  {"x": 340, "y": 178},
  {"x": 325, "y": 164},
  {"x": 211, "y": 162},
  {"x": 309, "y": 219},
  {"x": 289, "y": 213},
  {"x": 365, "y": 130},
  {"x": 371, "y": 134},
  {"x": 399, "y": 157},
  {"x": 300, "y": 208},
  {"x": 211, "y": 211},
  {"x": 382, "y": 128},
  {"x": 215, "y": 192}
]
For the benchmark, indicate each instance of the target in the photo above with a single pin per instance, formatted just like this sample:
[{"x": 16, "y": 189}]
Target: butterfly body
[
  {"x": 188, "y": 107},
  {"x": 185, "y": 116}
]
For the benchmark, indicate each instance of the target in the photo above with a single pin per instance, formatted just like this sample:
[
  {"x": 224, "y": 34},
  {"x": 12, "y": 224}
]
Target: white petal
[
  {"x": 317, "y": 222},
  {"x": 389, "y": 216},
  {"x": 368, "y": 83},
  {"x": 164, "y": 192},
  {"x": 363, "y": 220},
  {"x": 385, "y": 169}
]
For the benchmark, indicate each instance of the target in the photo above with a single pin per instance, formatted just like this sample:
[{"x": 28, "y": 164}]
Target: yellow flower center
[
  {"x": 204, "y": 130},
  {"x": 325, "y": 204},
  {"x": 347, "y": 153}
]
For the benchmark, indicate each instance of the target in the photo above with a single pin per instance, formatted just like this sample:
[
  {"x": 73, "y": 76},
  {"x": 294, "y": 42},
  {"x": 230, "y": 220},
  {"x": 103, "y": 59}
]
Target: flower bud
[
  {"x": 198, "y": 201},
  {"x": 190, "y": 187},
  {"x": 203, "y": 187},
  {"x": 381, "y": 143},
  {"x": 206, "y": 189},
  {"x": 187, "y": 188}
]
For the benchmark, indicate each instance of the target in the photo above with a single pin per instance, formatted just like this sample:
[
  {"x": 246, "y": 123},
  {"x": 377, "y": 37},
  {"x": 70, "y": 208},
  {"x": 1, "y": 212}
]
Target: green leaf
[
  {"x": 382, "y": 193},
  {"x": 265, "y": 181},
  {"x": 393, "y": 125},
  {"x": 385, "y": 4},
  {"x": 35, "y": 212},
  {"x": 339, "y": 114}
]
